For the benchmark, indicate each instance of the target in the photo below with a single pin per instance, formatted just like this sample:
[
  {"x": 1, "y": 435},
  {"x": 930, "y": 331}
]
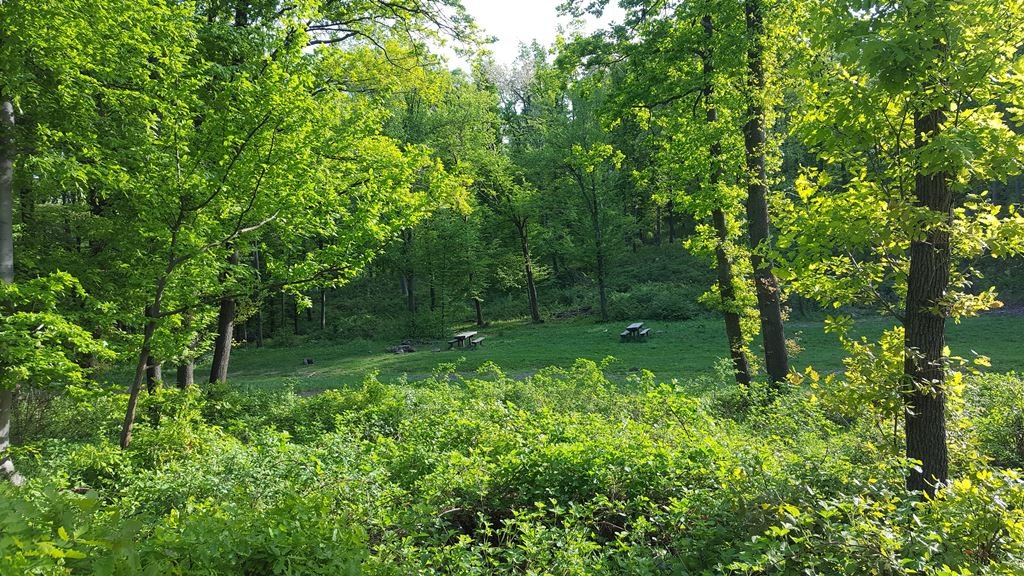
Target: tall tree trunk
[
  {"x": 522, "y": 227},
  {"x": 726, "y": 289},
  {"x": 7, "y": 469},
  {"x": 769, "y": 300},
  {"x": 6, "y": 190},
  {"x": 924, "y": 363},
  {"x": 225, "y": 331}
]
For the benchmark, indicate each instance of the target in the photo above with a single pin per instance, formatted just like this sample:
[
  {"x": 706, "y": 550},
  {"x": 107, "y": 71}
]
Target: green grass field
[{"x": 676, "y": 350}]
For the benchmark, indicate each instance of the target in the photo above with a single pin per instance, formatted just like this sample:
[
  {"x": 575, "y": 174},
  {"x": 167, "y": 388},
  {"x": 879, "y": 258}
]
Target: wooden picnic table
[
  {"x": 634, "y": 331},
  {"x": 460, "y": 339}
]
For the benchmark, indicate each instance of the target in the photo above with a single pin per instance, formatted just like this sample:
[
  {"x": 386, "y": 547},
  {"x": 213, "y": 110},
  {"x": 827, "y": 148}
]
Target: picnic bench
[
  {"x": 474, "y": 342},
  {"x": 635, "y": 332},
  {"x": 461, "y": 338}
]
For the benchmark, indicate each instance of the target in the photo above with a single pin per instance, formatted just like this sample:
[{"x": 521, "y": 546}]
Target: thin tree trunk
[
  {"x": 410, "y": 279},
  {"x": 727, "y": 292},
  {"x": 7, "y": 469},
  {"x": 924, "y": 363},
  {"x": 225, "y": 331},
  {"x": 657, "y": 225},
  {"x": 152, "y": 313},
  {"x": 478, "y": 307},
  {"x": 769, "y": 301},
  {"x": 671, "y": 222},
  {"x": 6, "y": 190},
  {"x": 599, "y": 254},
  {"x": 323, "y": 308},
  {"x": 531, "y": 285}
]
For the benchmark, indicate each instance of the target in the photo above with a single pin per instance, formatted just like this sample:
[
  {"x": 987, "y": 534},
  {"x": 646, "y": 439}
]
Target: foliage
[
  {"x": 564, "y": 472},
  {"x": 39, "y": 343}
]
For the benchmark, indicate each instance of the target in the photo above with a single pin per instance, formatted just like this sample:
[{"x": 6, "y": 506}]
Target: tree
[
  {"x": 920, "y": 99},
  {"x": 769, "y": 296}
]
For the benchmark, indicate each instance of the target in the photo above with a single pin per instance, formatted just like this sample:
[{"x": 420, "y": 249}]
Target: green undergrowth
[{"x": 565, "y": 472}]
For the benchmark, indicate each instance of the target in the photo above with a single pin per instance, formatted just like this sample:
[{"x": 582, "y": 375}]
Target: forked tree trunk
[
  {"x": 924, "y": 363},
  {"x": 769, "y": 299},
  {"x": 7, "y": 469},
  {"x": 724, "y": 268},
  {"x": 225, "y": 332}
]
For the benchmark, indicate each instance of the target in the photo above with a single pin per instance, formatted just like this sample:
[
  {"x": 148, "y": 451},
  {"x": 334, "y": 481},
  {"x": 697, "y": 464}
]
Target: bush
[{"x": 656, "y": 301}]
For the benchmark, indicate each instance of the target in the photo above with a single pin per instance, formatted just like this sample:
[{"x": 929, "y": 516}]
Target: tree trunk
[
  {"x": 657, "y": 225},
  {"x": 924, "y": 363},
  {"x": 477, "y": 306},
  {"x": 154, "y": 374},
  {"x": 769, "y": 301},
  {"x": 671, "y": 209},
  {"x": 531, "y": 286},
  {"x": 6, "y": 190},
  {"x": 225, "y": 332},
  {"x": 602, "y": 284},
  {"x": 7, "y": 469},
  {"x": 152, "y": 313},
  {"x": 186, "y": 374},
  {"x": 410, "y": 279},
  {"x": 726, "y": 290},
  {"x": 323, "y": 308}
]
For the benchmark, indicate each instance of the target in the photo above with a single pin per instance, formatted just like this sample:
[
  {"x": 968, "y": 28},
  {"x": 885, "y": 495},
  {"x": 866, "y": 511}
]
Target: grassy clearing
[{"x": 676, "y": 350}]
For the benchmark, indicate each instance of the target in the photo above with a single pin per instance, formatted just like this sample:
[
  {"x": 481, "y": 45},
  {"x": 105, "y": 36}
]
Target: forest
[{"x": 720, "y": 287}]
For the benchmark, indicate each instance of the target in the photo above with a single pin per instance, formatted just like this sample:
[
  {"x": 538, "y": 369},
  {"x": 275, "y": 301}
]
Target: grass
[{"x": 676, "y": 350}]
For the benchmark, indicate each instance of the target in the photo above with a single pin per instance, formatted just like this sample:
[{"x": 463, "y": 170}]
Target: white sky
[{"x": 515, "y": 21}]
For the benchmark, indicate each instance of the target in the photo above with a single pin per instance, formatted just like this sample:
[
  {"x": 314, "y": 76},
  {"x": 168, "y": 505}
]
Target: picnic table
[
  {"x": 461, "y": 338},
  {"x": 635, "y": 332}
]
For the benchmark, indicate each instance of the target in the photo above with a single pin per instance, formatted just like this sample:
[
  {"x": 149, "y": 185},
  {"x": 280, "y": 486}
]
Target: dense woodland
[{"x": 178, "y": 179}]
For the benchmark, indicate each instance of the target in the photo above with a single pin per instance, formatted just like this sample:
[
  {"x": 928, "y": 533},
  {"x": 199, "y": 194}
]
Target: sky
[{"x": 515, "y": 21}]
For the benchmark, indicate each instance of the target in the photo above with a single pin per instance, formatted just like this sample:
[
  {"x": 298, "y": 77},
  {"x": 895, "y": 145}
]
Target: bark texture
[
  {"x": 924, "y": 363},
  {"x": 769, "y": 300}
]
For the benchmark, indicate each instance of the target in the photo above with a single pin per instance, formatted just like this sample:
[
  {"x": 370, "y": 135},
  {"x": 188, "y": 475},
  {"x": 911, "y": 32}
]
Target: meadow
[{"x": 680, "y": 350}]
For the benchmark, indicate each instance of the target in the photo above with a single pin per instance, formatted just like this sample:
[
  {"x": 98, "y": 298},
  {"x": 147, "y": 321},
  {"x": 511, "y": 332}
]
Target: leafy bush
[{"x": 657, "y": 301}]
